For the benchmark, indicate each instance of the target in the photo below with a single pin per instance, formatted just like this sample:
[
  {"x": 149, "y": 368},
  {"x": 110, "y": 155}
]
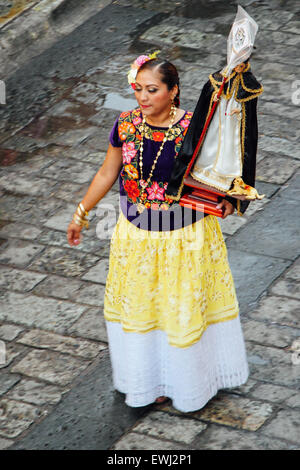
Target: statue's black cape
[{"x": 247, "y": 91}]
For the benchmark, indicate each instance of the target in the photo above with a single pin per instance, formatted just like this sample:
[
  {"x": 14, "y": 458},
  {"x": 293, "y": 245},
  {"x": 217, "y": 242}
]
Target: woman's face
[{"x": 152, "y": 94}]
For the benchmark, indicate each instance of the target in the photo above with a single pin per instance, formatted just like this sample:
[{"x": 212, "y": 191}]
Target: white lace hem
[{"x": 145, "y": 366}]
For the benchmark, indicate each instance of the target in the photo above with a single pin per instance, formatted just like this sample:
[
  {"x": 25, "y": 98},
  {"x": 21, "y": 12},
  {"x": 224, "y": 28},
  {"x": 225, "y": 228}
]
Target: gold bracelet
[
  {"x": 81, "y": 210},
  {"x": 79, "y": 216},
  {"x": 79, "y": 221}
]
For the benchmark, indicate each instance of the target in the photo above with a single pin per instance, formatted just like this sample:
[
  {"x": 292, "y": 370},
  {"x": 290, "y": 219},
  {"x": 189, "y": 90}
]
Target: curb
[{"x": 39, "y": 26}]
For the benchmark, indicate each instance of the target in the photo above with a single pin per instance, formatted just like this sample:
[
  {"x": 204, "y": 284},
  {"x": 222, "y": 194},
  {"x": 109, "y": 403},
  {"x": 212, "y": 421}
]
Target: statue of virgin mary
[{"x": 227, "y": 156}]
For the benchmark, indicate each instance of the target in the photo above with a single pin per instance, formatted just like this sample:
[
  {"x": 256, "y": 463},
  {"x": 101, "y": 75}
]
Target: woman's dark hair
[{"x": 169, "y": 74}]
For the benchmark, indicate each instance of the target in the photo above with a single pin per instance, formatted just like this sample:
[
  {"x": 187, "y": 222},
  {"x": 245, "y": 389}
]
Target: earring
[{"x": 173, "y": 108}]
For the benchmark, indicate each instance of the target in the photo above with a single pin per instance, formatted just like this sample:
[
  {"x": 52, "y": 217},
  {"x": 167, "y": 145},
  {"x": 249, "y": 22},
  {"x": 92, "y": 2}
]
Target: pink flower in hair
[
  {"x": 141, "y": 60},
  {"x": 136, "y": 65}
]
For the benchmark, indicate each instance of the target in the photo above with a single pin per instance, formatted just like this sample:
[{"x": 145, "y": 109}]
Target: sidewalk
[
  {"x": 28, "y": 27},
  {"x": 55, "y": 385}
]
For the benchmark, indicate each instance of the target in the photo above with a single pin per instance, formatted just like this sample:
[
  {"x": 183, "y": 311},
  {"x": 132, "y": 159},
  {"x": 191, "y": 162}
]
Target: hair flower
[
  {"x": 136, "y": 65},
  {"x": 141, "y": 60}
]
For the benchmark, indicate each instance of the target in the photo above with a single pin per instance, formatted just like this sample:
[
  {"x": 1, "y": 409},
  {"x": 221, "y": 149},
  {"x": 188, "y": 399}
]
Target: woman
[{"x": 170, "y": 305}]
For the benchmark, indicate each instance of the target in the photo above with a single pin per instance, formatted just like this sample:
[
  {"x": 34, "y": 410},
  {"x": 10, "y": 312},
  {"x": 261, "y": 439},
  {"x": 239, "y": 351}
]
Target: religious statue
[{"x": 219, "y": 149}]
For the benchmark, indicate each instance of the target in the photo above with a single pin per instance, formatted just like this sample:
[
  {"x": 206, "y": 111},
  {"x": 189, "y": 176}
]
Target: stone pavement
[
  {"x": 28, "y": 27},
  {"x": 55, "y": 381}
]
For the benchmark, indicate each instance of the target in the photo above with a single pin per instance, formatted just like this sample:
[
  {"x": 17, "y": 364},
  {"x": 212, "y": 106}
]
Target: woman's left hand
[{"x": 228, "y": 207}]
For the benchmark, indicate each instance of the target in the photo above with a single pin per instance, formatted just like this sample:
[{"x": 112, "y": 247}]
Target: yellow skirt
[{"x": 177, "y": 281}]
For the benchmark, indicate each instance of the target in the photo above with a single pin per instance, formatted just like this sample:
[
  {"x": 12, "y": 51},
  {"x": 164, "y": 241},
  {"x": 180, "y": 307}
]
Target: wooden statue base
[{"x": 203, "y": 198}]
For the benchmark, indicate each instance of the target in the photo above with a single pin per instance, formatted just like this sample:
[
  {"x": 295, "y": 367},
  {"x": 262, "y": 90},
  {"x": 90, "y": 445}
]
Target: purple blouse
[{"x": 161, "y": 213}]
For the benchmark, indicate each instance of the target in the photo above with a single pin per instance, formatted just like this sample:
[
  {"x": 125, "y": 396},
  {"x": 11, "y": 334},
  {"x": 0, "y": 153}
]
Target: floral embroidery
[
  {"x": 143, "y": 183},
  {"x": 183, "y": 306},
  {"x": 168, "y": 200},
  {"x": 132, "y": 189},
  {"x": 155, "y": 192},
  {"x": 137, "y": 120},
  {"x": 124, "y": 114},
  {"x": 131, "y": 171},
  {"x": 126, "y": 129},
  {"x": 185, "y": 123},
  {"x": 136, "y": 112},
  {"x": 129, "y": 129},
  {"x": 128, "y": 152},
  {"x": 177, "y": 134},
  {"x": 158, "y": 136}
]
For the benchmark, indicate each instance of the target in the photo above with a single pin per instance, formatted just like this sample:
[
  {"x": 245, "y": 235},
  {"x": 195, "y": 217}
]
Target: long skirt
[{"x": 172, "y": 315}]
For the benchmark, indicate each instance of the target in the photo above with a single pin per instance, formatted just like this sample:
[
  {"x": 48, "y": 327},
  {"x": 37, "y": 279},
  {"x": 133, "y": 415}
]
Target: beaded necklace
[{"x": 140, "y": 206}]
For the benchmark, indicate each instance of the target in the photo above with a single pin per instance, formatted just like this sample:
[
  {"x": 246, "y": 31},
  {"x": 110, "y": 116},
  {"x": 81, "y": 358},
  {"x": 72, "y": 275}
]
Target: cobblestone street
[{"x": 55, "y": 379}]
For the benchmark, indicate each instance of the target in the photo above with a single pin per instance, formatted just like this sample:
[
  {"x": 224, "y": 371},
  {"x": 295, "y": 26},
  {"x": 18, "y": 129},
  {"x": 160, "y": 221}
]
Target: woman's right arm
[{"x": 100, "y": 185}]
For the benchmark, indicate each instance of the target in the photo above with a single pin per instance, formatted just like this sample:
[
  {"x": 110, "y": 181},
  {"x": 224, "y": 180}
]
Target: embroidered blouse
[{"x": 161, "y": 213}]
